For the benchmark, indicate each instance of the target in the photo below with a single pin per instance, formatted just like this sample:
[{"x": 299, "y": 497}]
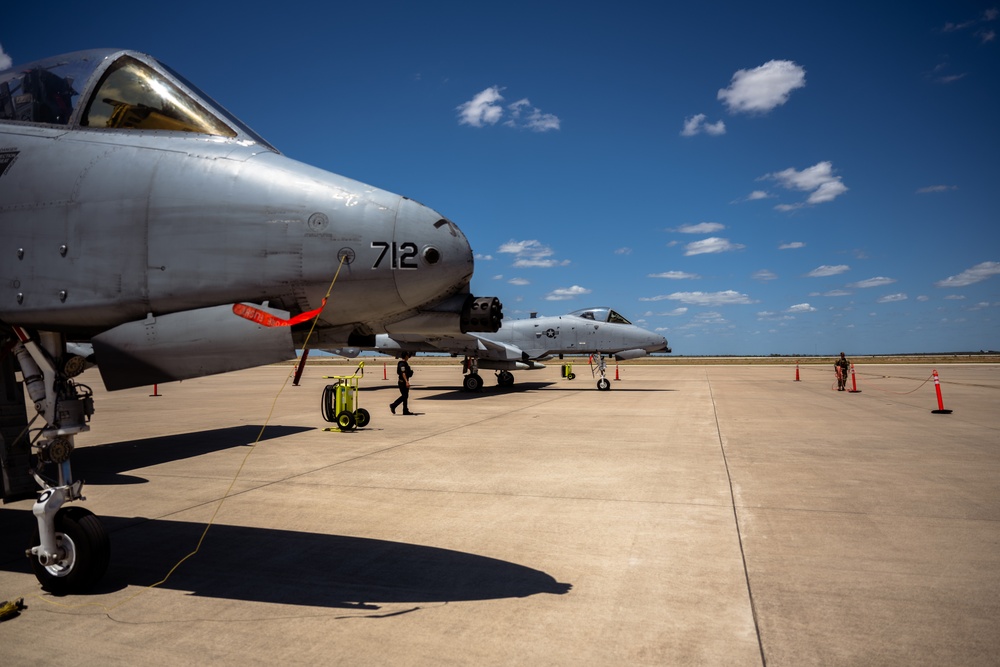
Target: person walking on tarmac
[
  {"x": 403, "y": 375},
  {"x": 841, "y": 366}
]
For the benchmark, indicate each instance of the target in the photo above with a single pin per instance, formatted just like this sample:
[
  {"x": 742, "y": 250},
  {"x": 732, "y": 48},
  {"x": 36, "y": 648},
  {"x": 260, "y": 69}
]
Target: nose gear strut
[{"x": 71, "y": 550}]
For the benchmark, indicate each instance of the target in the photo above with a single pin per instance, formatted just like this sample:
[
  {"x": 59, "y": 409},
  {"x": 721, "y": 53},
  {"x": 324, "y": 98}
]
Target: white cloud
[
  {"x": 889, "y": 298},
  {"x": 675, "y": 275},
  {"x": 566, "y": 293},
  {"x": 794, "y": 245},
  {"x": 484, "y": 109},
  {"x": 955, "y": 297},
  {"x": 976, "y": 274},
  {"x": 837, "y": 292},
  {"x": 936, "y": 188},
  {"x": 726, "y": 298},
  {"x": 923, "y": 297},
  {"x": 878, "y": 281},
  {"x": 520, "y": 282},
  {"x": 5, "y": 60},
  {"x": 818, "y": 180},
  {"x": 753, "y": 196},
  {"x": 711, "y": 245},
  {"x": 700, "y": 228},
  {"x": 768, "y": 315},
  {"x": 623, "y": 251},
  {"x": 941, "y": 74},
  {"x": 801, "y": 308},
  {"x": 763, "y": 88},
  {"x": 984, "y": 34},
  {"x": 824, "y": 271},
  {"x": 481, "y": 109},
  {"x": 524, "y": 115},
  {"x": 696, "y": 125},
  {"x": 827, "y": 192},
  {"x": 531, "y": 253},
  {"x": 710, "y": 318},
  {"x": 764, "y": 274},
  {"x": 788, "y": 207},
  {"x": 516, "y": 247}
]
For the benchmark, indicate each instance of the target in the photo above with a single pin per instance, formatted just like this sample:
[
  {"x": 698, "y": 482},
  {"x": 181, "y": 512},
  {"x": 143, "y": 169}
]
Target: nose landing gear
[
  {"x": 602, "y": 367},
  {"x": 70, "y": 549}
]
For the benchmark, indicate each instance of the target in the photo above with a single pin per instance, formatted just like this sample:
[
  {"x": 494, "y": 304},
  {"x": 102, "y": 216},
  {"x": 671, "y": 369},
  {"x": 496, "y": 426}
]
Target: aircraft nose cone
[
  {"x": 657, "y": 343},
  {"x": 433, "y": 258}
]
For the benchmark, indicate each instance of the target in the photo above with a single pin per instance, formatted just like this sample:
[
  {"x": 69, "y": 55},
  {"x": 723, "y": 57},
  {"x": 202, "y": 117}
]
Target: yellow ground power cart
[{"x": 340, "y": 402}]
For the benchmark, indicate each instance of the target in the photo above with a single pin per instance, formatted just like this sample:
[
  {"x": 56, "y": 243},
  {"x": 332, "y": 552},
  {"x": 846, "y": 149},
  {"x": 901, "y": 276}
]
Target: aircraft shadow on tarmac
[
  {"x": 455, "y": 392},
  {"x": 103, "y": 464},
  {"x": 452, "y": 393},
  {"x": 287, "y": 567}
]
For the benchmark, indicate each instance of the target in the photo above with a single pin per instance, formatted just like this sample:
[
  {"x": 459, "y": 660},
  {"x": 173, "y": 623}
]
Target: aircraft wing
[
  {"x": 458, "y": 344},
  {"x": 498, "y": 351}
]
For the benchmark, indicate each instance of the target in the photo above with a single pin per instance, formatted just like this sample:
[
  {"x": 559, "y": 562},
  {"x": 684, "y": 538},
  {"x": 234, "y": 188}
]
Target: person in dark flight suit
[{"x": 403, "y": 375}]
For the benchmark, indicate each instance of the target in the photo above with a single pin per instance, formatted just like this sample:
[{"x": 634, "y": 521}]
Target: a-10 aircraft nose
[
  {"x": 659, "y": 344},
  {"x": 430, "y": 255}
]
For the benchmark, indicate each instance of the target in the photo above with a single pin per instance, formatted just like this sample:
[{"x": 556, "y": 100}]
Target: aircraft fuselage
[{"x": 115, "y": 215}]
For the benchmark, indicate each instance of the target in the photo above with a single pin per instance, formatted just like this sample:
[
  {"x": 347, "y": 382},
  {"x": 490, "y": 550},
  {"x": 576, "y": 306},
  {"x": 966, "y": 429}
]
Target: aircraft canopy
[
  {"x": 600, "y": 315},
  {"x": 121, "y": 90}
]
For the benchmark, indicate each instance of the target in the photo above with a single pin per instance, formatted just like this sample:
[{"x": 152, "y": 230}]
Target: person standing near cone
[
  {"x": 403, "y": 375},
  {"x": 842, "y": 366}
]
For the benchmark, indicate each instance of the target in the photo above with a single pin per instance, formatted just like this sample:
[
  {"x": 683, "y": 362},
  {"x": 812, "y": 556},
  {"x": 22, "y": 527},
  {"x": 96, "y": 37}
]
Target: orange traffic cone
[{"x": 937, "y": 388}]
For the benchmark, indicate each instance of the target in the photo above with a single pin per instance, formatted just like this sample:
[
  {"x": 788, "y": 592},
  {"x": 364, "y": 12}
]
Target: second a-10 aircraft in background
[
  {"x": 523, "y": 344},
  {"x": 139, "y": 216}
]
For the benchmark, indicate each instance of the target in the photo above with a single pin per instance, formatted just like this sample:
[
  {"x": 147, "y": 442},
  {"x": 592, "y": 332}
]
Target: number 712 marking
[{"x": 403, "y": 254}]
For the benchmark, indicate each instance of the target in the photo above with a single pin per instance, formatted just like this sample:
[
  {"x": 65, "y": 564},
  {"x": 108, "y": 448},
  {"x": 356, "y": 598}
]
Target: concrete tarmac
[{"x": 693, "y": 515}]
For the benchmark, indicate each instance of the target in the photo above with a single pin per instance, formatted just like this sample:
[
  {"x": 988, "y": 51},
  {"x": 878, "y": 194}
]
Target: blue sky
[{"x": 801, "y": 179}]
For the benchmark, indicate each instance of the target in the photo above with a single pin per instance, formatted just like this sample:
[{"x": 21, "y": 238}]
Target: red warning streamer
[{"x": 268, "y": 320}]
